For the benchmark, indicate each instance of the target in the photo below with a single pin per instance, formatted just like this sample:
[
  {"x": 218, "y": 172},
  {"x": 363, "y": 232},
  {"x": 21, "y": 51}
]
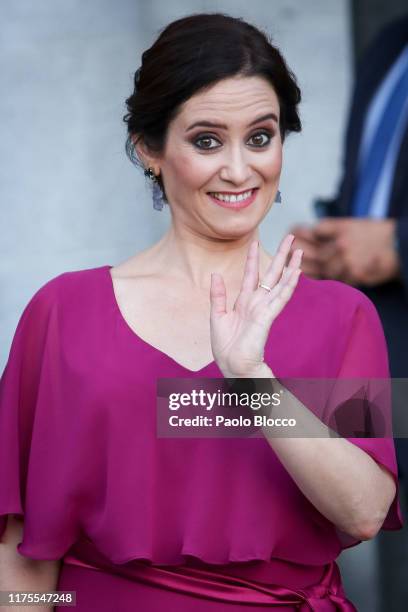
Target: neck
[{"x": 189, "y": 258}]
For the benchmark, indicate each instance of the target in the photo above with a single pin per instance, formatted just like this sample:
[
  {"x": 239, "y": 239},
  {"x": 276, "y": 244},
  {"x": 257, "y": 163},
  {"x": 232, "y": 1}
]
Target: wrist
[{"x": 260, "y": 371}]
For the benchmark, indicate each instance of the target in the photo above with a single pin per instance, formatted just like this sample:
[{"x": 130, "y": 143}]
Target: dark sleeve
[{"x": 401, "y": 233}]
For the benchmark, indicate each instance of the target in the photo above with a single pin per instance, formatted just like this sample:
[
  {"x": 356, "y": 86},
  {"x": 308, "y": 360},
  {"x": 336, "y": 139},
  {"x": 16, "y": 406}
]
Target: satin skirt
[{"x": 101, "y": 586}]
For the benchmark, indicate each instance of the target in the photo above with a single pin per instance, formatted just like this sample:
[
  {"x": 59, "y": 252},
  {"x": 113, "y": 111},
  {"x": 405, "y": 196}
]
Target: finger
[
  {"x": 291, "y": 280},
  {"x": 275, "y": 269},
  {"x": 251, "y": 270},
  {"x": 218, "y": 296},
  {"x": 291, "y": 271},
  {"x": 285, "y": 288},
  {"x": 310, "y": 251},
  {"x": 303, "y": 233},
  {"x": 327, "y": 251},
  {"x": 285, "y": 293},
  {"x": 328, "y": 228},
  {"x": 311, "y": 270},
  {"x": 294, "y": 264},
  {"x": 295, "y": 260},
  {"x": 306, "y": 245}
]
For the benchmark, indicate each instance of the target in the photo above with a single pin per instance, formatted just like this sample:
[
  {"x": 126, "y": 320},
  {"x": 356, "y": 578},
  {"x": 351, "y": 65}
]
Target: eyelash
[{"x": 211, "y": 137}]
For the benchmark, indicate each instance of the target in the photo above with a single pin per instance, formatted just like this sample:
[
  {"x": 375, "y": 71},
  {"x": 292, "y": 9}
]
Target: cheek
[
  {"x": 274, "y": 165},
  {"x": 270, "y": 170},
  {"x": 195, "y": 170}
]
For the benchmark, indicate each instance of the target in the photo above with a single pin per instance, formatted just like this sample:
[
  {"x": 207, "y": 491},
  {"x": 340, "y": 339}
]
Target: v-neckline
[{"x": 130, "y": 329}]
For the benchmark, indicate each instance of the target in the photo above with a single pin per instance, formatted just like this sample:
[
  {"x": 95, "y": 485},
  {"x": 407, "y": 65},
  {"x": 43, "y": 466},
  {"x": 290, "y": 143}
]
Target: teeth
[{"x": 232, "y": 198}]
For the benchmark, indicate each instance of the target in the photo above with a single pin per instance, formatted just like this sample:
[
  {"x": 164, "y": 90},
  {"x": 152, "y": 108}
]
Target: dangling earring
[
  {"x": 278, "y": 197},
  {"x": 158, "y": 200}
]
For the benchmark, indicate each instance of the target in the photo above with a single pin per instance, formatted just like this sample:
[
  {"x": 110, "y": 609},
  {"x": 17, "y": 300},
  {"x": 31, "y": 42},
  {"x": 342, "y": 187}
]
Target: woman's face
[{"x": 224, "y": 141}]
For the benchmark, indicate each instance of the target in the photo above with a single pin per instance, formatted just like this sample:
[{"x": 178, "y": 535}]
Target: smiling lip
[
  {"x": 234, "y": 205},
  {"x": 233, "y": 192}
]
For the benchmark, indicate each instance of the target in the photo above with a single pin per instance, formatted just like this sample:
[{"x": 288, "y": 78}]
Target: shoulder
[
  {"x": 333, "y": 298},
  {"x": 72, "y": 288},
  {"x": 332, "y": 291},
  {"x": 67, "y": 282},
  {"x": 344, "y": 320},
  {"x": 51, "y": 318}
]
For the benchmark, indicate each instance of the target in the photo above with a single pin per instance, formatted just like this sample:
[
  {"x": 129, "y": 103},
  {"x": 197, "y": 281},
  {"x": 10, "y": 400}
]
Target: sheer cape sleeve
[
  {"x": 31, "y": 468},
  {"x": 365, "y": 367}
]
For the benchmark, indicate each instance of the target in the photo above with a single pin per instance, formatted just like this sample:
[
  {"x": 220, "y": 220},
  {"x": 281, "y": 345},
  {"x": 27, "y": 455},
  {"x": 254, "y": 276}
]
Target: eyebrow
[{"x": 224, "y": 127}]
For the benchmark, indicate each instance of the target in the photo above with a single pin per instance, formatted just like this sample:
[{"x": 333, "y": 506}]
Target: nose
[{"x": 236, "y": 168}]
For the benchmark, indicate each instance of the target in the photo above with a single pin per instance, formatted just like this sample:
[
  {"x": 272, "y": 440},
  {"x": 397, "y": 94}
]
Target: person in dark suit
[{"x": 362, "y": 235}]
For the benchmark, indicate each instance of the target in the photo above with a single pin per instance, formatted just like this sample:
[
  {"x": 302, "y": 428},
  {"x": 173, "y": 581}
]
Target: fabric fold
[{"x": 217, "y": 584}]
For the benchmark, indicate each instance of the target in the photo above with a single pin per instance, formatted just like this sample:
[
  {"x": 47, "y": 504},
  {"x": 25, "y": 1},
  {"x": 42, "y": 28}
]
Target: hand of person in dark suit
[
  {"x": 306, "y": 240},
  {"x": 355, "y": 251}
]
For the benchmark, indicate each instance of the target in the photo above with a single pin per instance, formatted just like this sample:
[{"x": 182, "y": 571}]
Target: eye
[
  {"x": 205, "y": 138},
  {"x": 259, "y": 140}
]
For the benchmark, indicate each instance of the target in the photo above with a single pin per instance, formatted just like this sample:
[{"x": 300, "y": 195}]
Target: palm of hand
[{"x": 238, "y": 337}]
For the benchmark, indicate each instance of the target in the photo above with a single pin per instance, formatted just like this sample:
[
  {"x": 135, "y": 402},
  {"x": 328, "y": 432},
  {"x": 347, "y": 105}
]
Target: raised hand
[{"x": 238, "y": 337}]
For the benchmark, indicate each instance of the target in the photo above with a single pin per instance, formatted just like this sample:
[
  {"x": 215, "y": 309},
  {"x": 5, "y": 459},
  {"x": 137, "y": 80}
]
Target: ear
[{"x": 144, "y": 154}]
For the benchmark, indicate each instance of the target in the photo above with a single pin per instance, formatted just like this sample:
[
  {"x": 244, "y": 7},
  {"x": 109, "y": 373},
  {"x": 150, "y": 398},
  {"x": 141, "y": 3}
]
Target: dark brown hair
[{"x": 195, "y": 52}]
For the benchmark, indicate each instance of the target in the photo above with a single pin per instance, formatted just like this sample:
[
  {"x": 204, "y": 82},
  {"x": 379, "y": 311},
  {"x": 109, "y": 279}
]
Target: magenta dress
[{"x": 147, "y": 523}]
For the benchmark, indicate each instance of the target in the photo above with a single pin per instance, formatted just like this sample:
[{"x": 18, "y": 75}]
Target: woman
[{"x": 142, "y": 522}]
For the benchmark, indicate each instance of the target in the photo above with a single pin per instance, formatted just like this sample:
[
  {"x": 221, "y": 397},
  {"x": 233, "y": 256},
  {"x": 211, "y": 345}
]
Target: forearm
[
  {"x": 342, "y": 481},
  {"x": 18, "y": 573}
]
